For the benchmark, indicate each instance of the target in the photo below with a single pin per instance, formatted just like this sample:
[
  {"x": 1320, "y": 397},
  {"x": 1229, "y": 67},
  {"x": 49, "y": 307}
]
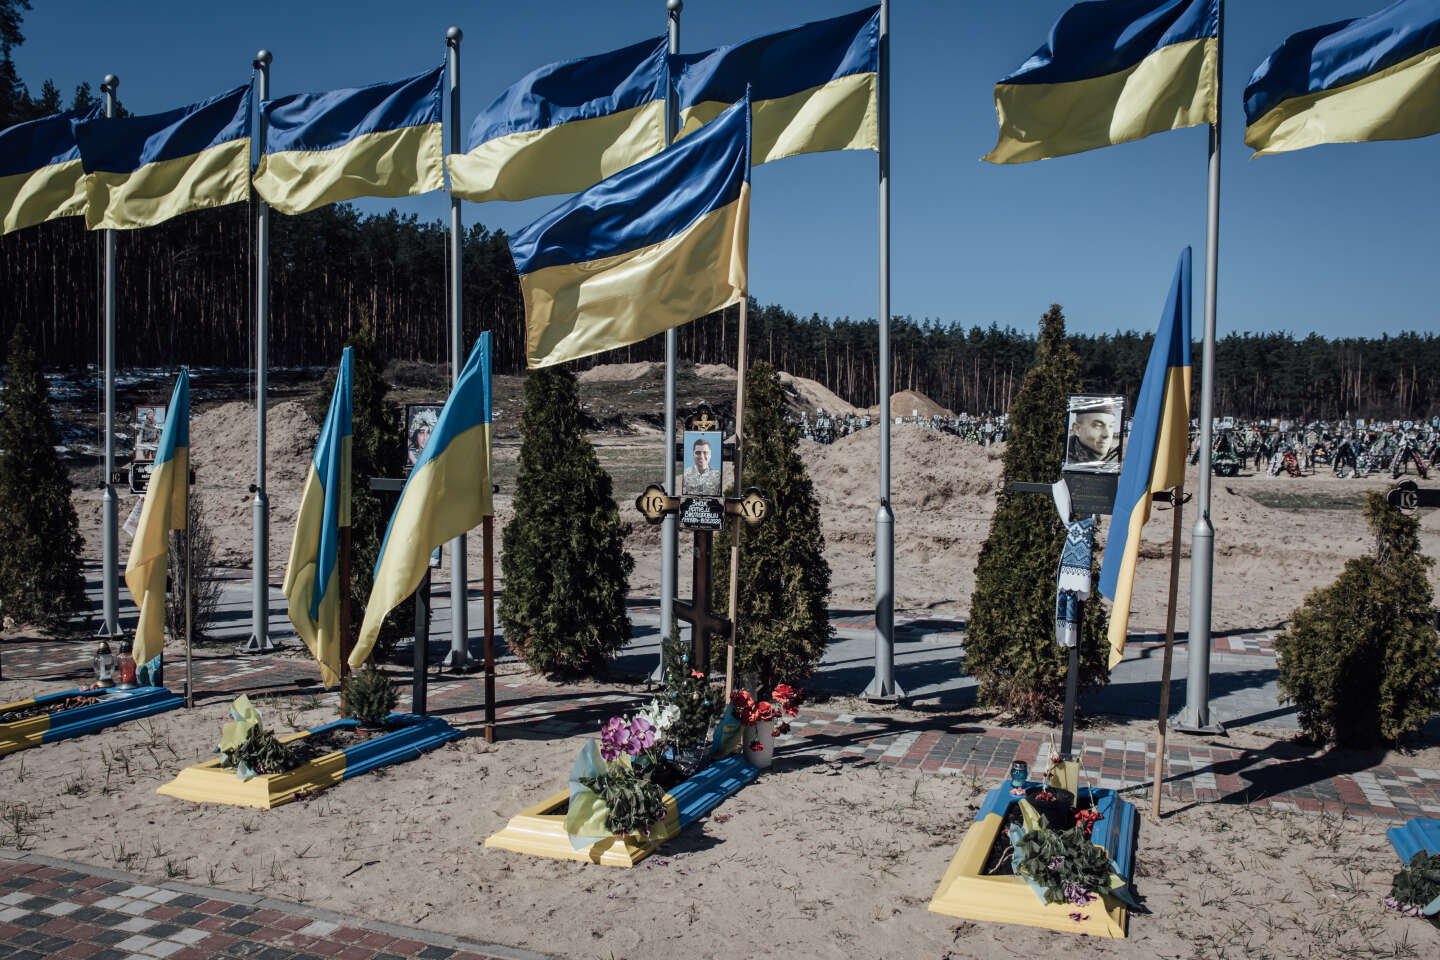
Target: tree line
[{"x": 185, "y": 294}]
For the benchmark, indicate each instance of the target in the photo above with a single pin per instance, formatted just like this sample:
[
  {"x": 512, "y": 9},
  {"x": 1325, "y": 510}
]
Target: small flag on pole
[
  {"x": 40, "y": 174},
  {"x": 164, "y": 511},
  {"x": 312, "y": 575},
  {"x": 1113, "y": 71},
  {"x": 378, "y": 141},
  {"x": 812, "y": 87},
  {"x": 448, "y": 492},
  {"x": 141, "y": 171},
  {"x": 1155, "y": 456},
  {"x": 1371, "y": 78},
  {"x": 565, "y": 127},
  {"x": 651, "y": 248}
]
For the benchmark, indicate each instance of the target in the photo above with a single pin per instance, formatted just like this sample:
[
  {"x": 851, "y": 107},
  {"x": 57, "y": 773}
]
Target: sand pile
[
  {"x": 715, "y": 371},
  {"x": 606, "y": 372},
  {"x": 907, "y": 402},
  {"x": 811, "y": 395},
  {"x": 222, "y": 450}
]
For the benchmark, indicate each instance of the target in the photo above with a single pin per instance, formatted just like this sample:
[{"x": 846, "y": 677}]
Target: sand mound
[
  {"x": 222, "y": 450},
  {"x": 715, "y": 371},
  {"x": 812, "y": 395},
  {"x": 906, "y": 402},
  {"x": 618, "y": 371}
]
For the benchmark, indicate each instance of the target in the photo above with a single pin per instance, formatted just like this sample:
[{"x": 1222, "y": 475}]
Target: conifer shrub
[
  {"x": 40, "y": 578},
  {"x": 564, "y": 561},
  {"x": 1010, "y": 645},
  {"x": 369, "y": 696},
  {"x": 1360, "y": 660},
  {"x": 784, "y": 578}
]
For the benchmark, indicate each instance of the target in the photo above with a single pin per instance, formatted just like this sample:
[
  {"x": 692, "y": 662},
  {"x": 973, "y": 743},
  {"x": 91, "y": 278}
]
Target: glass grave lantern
[
  {"x": 126, "y": 664},
  {"x": 104, "y": 662}
]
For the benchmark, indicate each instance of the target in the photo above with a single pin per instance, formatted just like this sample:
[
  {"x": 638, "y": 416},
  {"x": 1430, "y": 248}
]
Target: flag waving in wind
[
  {"x": 140, "y": 171},
  {"x": 812, "y": 88},
  {"x": 166, "y": 496},
  {"x": 312, "y": 580},
  {"x": 377, "y": 141},
  {"x": 40, "y": 173},
  {"x": 1372, "y": 78},
  {"x": 448, "y": 492},
  {"x": 1155, "y": 457},
  {"x": 1113, "y": 71},
  {"x": 651, "y": 248},
  {"x": 566, "y": 126}
]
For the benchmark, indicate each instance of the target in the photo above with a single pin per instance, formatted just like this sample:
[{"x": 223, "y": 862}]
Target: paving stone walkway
[{"x": 53, "y": 908}]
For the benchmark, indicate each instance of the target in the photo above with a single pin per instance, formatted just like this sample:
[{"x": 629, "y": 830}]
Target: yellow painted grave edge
[
  {"x": 965, "y": 892},
  {"x": 22, "y": 734},
  {"x": 540, "y": 832},
  {"x": 209, "y": 782}
]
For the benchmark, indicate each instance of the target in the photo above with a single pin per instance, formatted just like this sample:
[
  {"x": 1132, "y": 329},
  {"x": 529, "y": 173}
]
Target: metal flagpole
[
  {"x": 701, "y": 603},
  {"x": 883, "y": 686},
  {"x": 189, "y": 594},
  {"x": 1196, "y": 716},
  {"x": 1177, "y": 503},
  {"x": 669, "y": 527},
  {"x": 459, "y": 656},
  {"x": 110, "y": 520},
  {"x": 259, "y": 641}
]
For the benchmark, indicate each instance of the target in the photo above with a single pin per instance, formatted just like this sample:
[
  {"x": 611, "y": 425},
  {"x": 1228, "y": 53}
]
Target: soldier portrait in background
[{"x": 1092, "y": 441}]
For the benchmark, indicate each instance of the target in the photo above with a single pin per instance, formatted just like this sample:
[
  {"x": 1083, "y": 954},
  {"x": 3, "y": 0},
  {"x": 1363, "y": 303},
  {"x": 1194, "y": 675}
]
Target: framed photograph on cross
[
  {"x": 704, "y": 454},
  {"x": 1093, "y": 435},
  {"x": 419, "y": 424}
]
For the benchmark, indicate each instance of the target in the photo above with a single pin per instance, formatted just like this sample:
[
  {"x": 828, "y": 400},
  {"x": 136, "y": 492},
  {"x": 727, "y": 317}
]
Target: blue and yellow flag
[
  {"x": 312, "y": 576},
  {"x": 1113, "y": 71},
  {"x": 812, "y": 87},
  {"x": 651, "y": 248},
  {"x": 1372, "y": 78},
  {"x": 140, "y": 171},
  {"x": 1155, "y": 456},
  {"x": 164, "y": 510},
  {"x": 447, "y": 493},
  {"x": 565, "y": 127},
  {"x": 40, "y": 174},
  {"x": 377, "y": 141}
]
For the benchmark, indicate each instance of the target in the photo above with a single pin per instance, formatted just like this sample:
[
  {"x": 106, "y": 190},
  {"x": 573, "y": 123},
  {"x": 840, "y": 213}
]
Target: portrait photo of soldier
[
  {"x": 702, "y": 464},
  {"x": 419, "y": 424},
  {"x": 1092, "y": 440}
]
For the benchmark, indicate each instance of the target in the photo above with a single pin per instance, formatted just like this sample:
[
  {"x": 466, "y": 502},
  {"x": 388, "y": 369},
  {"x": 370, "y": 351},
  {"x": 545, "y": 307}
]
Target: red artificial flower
[
  {"x": 1087, "y": 819},
  {"x": 697, "y": 674},
  {"x": 791, "y": 710},
  {"x": 757, "y": 746},
  {"x": 783, "y": 728},
  {"x": 741, "y": 701},
  {"x": 783, "y": 692},
  {"x": 764, "y": 711}
]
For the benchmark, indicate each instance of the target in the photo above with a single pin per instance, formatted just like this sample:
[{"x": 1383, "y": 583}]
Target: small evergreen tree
[
  {"x": 377, "y": 449},
  {"x": 564, "y": 561},
  {"x": 1010, "y": 646},
  {"x": 205, "y": 595},
  {"x": 1361, "y": 660},
  {"x": 40, "y": 580},
  {"x": 784, "y": 579}
]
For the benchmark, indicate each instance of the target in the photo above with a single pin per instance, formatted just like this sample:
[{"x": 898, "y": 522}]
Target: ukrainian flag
[
  {"x": 1155, "y": 456},
  {"x": 140, "y": 171},
  {"x": 565, "y": 127},
  {"x": 812, "y": 88},
  {"x": 377, "y": 141},
  {"x": 164, "y": 510},
  {"x": 312, "y": 580},
  {"x": 40, "y": 175},
  {"x": 651, "y": 248},
  {"x": 447, "y": 493},
  {"x": 1113, "y": 71},
  {"x": 1372, "y": 78}
]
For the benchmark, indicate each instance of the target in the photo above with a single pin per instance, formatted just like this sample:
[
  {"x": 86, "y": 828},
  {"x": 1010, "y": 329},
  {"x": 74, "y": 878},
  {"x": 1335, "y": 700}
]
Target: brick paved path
[{"x": 56, "y": 909}]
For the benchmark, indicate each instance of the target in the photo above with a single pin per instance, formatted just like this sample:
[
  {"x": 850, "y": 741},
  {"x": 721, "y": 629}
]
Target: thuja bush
[
  {"x": 40, "y": 580},
  {"x": 564, "y": 561},
  {"x": 1010, "y": 646},
  {"x": 1360, "y": 660},
  {"x": 784, "y": 579},
  {"x": 369, "y": 696}
]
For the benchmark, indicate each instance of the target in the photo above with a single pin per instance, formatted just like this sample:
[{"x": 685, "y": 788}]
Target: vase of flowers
[{"x": 759, "y": 721}]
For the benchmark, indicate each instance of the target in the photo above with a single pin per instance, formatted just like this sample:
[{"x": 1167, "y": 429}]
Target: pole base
[
  {"x": 107, "y": 632},
  {"x": 1202, "y": 730},
  {"x": 258, "y": 644},
  {"x": 458, "y": 661},
  {"x": 876, "y": 692},
  {"x": 658, "y": 674}
]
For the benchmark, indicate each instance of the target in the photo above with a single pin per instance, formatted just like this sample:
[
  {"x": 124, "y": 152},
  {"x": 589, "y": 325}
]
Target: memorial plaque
[
  {"x": 653, "y": 503},
  {"x": 1091, "y": 493},
  {"x": 703, "y": 514},
  {"x": 754, "y": 507}
]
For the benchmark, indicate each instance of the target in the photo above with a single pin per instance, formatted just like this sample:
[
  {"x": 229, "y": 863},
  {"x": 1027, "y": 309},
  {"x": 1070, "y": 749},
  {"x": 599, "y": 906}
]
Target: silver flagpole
[
  {"x": 883, "y": 686},
  {"x": 459, "y": 656},
  {"x": 669, "y": 527},
  {"x": 259, "y": 641},
  {"x": 110, "y": 519},
  {"x": 1196, "y": 716}
]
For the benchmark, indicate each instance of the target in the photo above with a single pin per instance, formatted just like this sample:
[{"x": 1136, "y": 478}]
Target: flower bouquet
[
  {"x": 1064, "y": 866},
  {"x": 608, "y": 793},
  {"x": 759, "y": 720}
]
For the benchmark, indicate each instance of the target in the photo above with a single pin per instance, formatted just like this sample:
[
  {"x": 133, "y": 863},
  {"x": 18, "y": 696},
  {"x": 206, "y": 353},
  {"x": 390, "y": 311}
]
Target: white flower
[{"x": 662, "y": 716}]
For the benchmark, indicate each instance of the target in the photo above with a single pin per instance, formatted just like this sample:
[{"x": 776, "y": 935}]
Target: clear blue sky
[{"x": 1336, "y": 239}]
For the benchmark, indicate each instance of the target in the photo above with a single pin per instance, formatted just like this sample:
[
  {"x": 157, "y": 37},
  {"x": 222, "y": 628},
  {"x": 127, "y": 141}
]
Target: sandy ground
[{"x": 815, "y": 859}]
